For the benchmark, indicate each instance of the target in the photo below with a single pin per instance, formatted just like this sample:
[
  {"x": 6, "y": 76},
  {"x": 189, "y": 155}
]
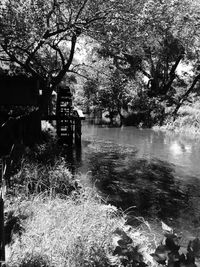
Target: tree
[
  {"x": 112, "y": 94},
  {"x": 152, "y": 38},
  {"x": 90, "y": 90},
  {"x": 39, "y": 37},
  {"x": 115, "y": 96}
]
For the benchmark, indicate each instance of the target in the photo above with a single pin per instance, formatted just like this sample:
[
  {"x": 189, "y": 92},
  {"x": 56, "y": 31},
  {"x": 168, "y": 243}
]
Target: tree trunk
[
  {"x": 185, "y": 96},
  {"x": 121, "y": 118},
  {"x": 46, "y": 100}
]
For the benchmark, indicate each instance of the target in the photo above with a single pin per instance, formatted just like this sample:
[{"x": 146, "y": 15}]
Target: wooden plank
[
  {"x": 56, "y": 117},
  {"x": 2, "y": 235}
]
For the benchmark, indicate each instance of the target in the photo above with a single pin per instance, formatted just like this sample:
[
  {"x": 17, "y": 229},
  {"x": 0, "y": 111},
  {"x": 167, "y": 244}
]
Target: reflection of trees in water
[{"x": 149, "y": 186}]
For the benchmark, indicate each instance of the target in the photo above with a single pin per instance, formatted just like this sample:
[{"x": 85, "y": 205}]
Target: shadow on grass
[{"x": 13, "y": 226}]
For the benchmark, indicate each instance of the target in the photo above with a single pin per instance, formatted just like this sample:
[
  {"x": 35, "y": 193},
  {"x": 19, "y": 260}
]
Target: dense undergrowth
[{"x": 187, "y": 121}]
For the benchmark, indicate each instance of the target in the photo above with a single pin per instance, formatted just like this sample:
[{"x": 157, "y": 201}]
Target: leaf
[
  {"x": 173, "y": 257},
  {"x": 158, "y": 259},
  {"x": 123, "y": 242},
  {"x": 125, "y": 239},
  {"x": 113, "y": 260},
  {"x": 166, "y": 228},
  {"x": 161, "y": 254},
  {"x": 171, "y": 244},
  {"x": 117, "y": 251}
]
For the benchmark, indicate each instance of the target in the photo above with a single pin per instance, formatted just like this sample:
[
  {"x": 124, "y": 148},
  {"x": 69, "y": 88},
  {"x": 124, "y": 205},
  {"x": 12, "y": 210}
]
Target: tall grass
[
  {"x": 186, "y": 123},
  {"x": 34, "y": 178},
  {"x": 64, "y": 232},
  {"x": 71, "y": 232}
]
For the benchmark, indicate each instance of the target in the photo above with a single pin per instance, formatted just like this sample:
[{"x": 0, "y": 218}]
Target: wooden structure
[
  {"x": 68, "y": 119},
  {"x": 15, "y": 91},
  {"x": 25, "y": 128},
  {"x": 64, "y": 120},
  {"x": 4, "y": 166},
  {"x": 2, "y": 195},
  {"x": 24, "y": 91},
  {"x": 18, "y": 90}
]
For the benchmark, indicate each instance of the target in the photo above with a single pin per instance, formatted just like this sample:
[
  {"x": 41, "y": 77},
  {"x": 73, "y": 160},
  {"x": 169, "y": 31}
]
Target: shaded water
[{"x": 148, "y": 173}]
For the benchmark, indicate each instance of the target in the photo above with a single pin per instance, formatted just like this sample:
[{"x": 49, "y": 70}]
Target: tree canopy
[
  {"x": 147, "y": 40},
  {"x": 40, "y": 36},
  {"x": 150, "y": 39}
]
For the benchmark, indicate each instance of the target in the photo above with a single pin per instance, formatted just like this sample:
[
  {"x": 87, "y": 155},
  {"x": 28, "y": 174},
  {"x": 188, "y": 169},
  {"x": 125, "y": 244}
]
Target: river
[{"x": 145, "y": 172}]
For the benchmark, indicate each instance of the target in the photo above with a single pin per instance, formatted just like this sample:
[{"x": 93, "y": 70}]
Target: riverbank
[
  {"x": 186, "y": 123},
  {"x": 51, "y": 220},
  {"x": 74, "y": 232}
]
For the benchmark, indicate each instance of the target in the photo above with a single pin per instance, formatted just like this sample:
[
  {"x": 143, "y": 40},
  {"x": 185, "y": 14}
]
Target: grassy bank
[
  {"x": 187, "y": 121},
  {"x": 74, "y": 232},
  {"x": 51, "y": 220}
]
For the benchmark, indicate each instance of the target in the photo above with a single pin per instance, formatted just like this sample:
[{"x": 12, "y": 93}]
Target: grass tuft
[
  {"x": 65, "y": 232},
  {"x": 34, "y": 178},
  {"x": 73, "y": 231}
]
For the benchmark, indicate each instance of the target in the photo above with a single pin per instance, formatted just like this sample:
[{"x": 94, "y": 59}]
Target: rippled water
[{"x": 147, "y": 173}]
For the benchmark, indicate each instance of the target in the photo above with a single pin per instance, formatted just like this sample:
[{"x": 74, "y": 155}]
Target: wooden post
[
  {"x": 78, "y": 132},
  {"x": 2, "y": 235}
]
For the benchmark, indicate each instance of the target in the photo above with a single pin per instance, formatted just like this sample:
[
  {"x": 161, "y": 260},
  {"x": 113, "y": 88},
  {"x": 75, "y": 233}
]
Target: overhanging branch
[
  {"x": 184, "y": 97},
  {"x": 65, "y": 68}
]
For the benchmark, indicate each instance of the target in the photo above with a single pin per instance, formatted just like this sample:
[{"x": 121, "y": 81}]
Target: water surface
[{"x": 147, "y": 173}]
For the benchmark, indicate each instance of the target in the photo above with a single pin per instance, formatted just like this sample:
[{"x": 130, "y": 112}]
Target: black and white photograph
[{"x": 99, "y": 133}]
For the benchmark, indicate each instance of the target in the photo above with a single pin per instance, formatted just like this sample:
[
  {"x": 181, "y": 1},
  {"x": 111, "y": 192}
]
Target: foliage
[
  {"x": 169, "y": 254},
  {"x": 40, "y": 37},
  {"x": 42, "y": 169},
  {"x": 150, "y": 39},
  {"x": 90, "y": 90},
  {"x": 145, "y": 40},
  {"x": 187, "y": 122},
  {"x": 115, "y": 96},
  {"x": 145, "y": 111}
]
